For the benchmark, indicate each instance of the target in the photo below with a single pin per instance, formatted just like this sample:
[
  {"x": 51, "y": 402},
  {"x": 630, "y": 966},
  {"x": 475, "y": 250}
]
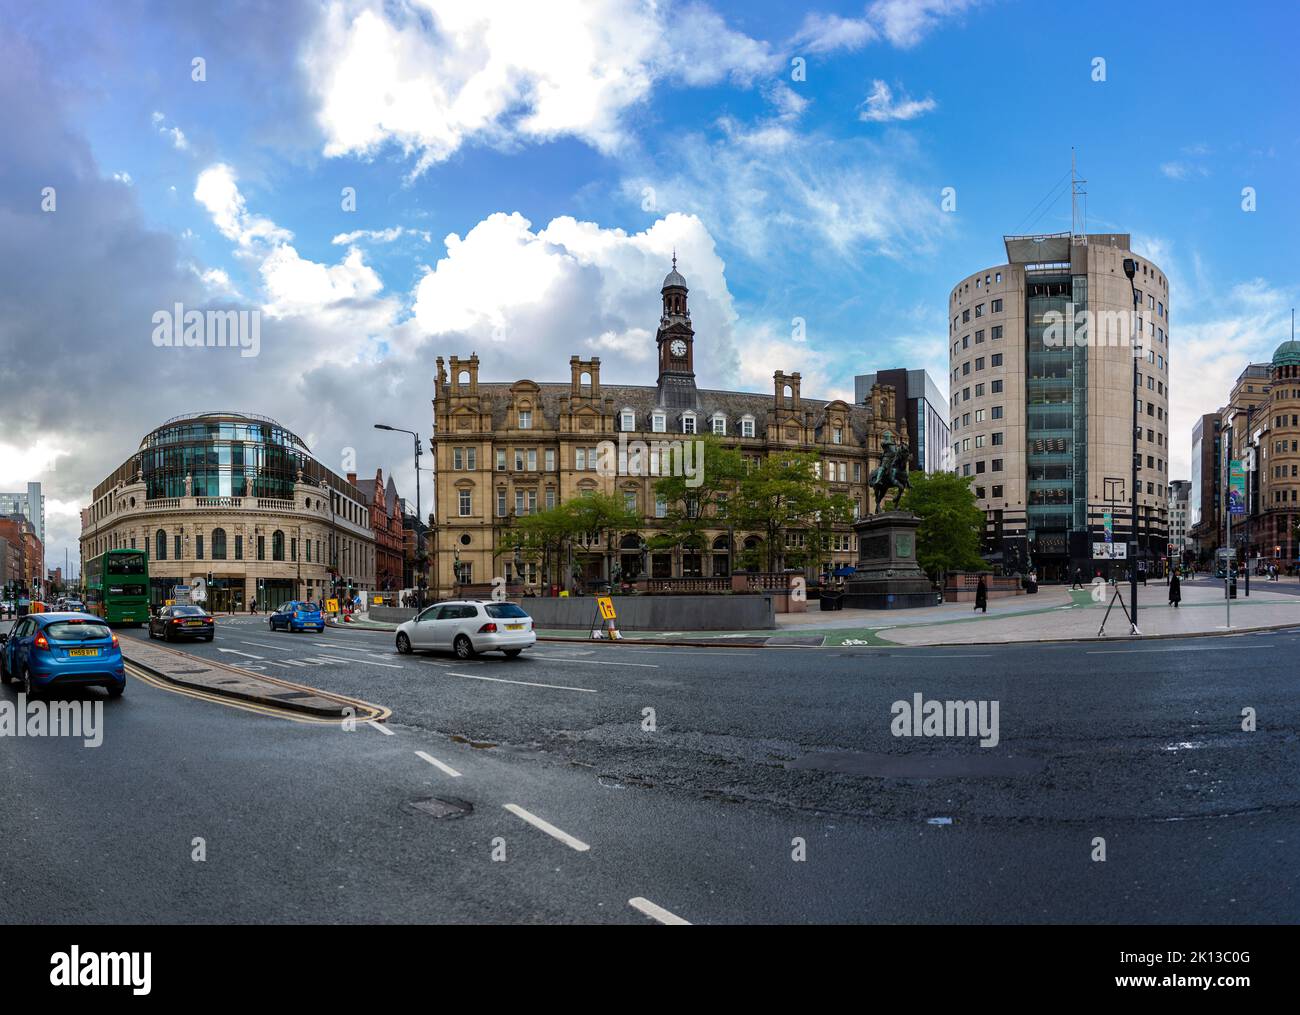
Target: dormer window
[
  {"x": 719, "y": 424},
  {"x": 627, "y": 421},
  {"x": 525, "y": 419},
  {"x": 747, "y": 426},
  {"x": 688, "y": 422},
  {"x": 837, "y": 435},
  {"x": 659, "y": 422}
]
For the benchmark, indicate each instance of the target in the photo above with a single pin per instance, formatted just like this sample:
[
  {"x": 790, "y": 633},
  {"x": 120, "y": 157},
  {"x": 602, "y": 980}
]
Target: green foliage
[
  {"x": 951, "y": 522},
  {"x": 548, "y": 534},
  {"x": 781, "y": 494},
  {"x": 692, "y": 509}
]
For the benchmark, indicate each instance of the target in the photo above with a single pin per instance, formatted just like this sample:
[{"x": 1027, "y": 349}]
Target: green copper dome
[{"x": 1287, "y": 354}]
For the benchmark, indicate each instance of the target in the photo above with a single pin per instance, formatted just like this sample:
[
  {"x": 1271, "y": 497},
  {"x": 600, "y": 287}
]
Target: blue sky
[{"x": 519, "y": 189}]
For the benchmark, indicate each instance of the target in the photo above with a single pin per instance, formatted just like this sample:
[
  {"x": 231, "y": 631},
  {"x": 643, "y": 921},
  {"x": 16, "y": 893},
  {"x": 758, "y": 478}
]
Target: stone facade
[
  {"x": 274, "y": 548},
  {"x": 505, "y": 449}
]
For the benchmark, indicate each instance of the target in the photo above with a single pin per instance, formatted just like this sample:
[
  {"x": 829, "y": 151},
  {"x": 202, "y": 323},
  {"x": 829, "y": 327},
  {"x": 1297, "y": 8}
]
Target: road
[{"x": 754, "y": 756}]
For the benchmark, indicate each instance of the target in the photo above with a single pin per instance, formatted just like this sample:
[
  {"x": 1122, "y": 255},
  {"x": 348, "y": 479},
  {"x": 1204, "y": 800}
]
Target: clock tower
[{"x": 676, "y": 341}]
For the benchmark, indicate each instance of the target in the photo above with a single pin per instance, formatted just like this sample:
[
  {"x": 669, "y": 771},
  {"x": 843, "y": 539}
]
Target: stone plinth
[{"x": 887, "y": 576}]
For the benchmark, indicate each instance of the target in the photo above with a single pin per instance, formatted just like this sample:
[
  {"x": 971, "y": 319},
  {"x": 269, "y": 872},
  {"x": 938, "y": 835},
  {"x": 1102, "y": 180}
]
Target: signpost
[{"x": 603, "y": 622}]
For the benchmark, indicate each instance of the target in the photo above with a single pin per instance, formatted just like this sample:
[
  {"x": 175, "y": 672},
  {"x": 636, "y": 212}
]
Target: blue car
[
  {"x": 54, "y": 650},
  {"x": 297, "y": 616}
]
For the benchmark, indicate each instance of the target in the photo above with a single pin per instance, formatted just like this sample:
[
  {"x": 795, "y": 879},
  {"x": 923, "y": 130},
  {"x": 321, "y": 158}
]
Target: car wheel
[
  {"x": 403, "y": 644},
  {"x": 4, "y": 671},
  {"x": 209, "y": 637},
  {"x": 463, "y": 647},
  {"x": 116, "y": 691},
  {"x": 167, "y": 634},
  {"x": 25, "y": 683},
  {"x": 511, "y": 653}
]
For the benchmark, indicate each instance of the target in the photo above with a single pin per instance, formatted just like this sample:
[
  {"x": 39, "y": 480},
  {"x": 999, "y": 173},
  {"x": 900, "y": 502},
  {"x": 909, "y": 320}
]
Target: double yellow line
[{"x": 365, "y": 712}]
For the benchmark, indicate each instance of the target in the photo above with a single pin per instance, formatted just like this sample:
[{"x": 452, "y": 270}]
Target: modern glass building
[
  {"x": 238, "y": 500},
  {"x": 921, "y": 411},
  {"x": 1042, "y": 398}
]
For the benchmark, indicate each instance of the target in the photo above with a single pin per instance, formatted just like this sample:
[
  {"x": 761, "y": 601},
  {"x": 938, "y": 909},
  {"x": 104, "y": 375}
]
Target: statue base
[{"x": 887, "y": 576}]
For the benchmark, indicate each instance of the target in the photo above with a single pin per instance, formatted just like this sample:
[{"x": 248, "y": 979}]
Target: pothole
[{"x": 479, "y": 744}]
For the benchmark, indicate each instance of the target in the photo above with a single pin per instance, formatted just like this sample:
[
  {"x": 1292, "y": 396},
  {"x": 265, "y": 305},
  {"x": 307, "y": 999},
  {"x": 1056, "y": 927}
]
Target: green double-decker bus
[{"x": 117, "y": 586}]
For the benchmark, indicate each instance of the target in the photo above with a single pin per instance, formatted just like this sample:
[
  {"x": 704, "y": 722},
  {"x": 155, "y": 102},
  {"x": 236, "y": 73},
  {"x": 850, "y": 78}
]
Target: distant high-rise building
[
  {"x": 1178, "y": 494},
  {"x": 31, "y": 504},
  {"x": 1042, "y": 399},
  {"x": 921, "y": 412}
]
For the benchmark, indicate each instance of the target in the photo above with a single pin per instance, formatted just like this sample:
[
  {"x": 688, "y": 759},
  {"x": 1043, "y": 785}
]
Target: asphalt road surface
[{"x": 710, "y": 785}]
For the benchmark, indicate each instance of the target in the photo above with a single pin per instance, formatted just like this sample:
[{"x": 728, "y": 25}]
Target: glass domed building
[{"x": 238, "y": 500}]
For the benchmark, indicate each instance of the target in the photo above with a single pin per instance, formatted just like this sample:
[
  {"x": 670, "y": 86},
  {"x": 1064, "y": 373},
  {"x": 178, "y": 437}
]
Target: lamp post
[
  {"x": 419, "y": 536},
  {"x": 1130, "y": 269}
]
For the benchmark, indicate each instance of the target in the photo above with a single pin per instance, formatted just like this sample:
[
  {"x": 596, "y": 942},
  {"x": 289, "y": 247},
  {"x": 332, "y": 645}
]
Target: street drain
[{"x": 452, "y": 807}]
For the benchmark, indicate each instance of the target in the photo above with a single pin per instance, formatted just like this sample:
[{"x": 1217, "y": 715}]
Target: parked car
[
  {"x": 172, "y": 622},
  {"x": 297, "y": 616},
  {"x": 469, "y": 626},
  {"x": 48, "y": 650}
]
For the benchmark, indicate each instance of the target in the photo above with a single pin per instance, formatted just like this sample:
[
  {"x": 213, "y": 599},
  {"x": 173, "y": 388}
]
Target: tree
[
  {"x": 691, "y": 509},
  {"x": 948, "y": 538},
  {"x": 783, "y": 494},
  {"x": 549, "y": 534}
]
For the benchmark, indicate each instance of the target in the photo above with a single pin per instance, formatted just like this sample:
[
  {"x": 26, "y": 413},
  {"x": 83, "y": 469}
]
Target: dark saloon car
[{"x": 172, "y": 622}]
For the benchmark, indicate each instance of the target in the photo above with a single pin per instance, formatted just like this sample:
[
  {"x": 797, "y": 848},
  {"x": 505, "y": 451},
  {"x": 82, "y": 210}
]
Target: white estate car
[{"x": 467, "y": 626}]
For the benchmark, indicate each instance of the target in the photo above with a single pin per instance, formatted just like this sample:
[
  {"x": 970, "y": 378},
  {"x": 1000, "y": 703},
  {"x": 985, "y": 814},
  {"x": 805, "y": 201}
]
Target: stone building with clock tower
[{"x": 503, "y": 449}]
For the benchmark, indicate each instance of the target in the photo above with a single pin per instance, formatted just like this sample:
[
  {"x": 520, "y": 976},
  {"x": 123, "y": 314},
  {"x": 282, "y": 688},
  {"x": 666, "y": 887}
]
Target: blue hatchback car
[
  {"x": 297, "y": 616},
  {"x": 53, "y": 650}
]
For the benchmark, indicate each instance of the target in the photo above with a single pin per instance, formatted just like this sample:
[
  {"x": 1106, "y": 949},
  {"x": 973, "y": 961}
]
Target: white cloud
[
  {"x": 576, "y": 288},
  {"x": 431, "y": 75},
  {"x": 906, "y": 22},
  {"x": 825, "y": 33},
  {"x": 902, "y": 23},
  {"x": 339, "y": 296},
  {"x": 1182, "y": 170},
  {"x": 880, "y": 106},
  {"x": 123, "y": 177},
  {"x": 380, "y": 235},
  {"x": 173, "y": 134}
]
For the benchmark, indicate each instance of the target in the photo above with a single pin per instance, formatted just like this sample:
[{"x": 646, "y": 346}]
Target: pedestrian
[
  {"x": 1078, "y": 579},
  {"x": 982, "y": 595},
  {"x": 252, "y": 605},
  {"x": 1175, "y": 591}
]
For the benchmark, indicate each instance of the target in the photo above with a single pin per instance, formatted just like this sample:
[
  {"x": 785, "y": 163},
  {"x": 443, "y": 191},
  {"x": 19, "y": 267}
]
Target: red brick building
[
  {"x": 386, "y": 523},
  {"x": 24, "y": 544}
]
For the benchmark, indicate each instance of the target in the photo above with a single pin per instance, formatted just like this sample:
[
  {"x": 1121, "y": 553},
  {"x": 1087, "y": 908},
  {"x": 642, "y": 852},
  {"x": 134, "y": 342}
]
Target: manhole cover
[{"x": 452, "y": 807}]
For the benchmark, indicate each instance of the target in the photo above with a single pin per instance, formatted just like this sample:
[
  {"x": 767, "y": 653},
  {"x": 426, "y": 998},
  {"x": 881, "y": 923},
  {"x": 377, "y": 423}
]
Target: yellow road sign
[
  {"x": 331, "y": 605},
  {"x": 606, "y": 605}
]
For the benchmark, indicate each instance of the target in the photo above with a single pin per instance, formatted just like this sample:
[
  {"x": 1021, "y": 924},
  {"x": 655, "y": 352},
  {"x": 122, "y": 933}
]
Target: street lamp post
[
  {"x": 419, "y": 536},
  {"x": 1130, "y": 269}
]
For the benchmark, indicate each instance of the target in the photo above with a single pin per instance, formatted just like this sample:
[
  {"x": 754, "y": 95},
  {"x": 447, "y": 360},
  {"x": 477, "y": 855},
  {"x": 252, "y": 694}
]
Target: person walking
[
  {"x": 1175, "y": 591},
  {"x": 982, "y": 595},
  {"x": 252, "y": 605},
  {"x": 1078, "y": 580}
]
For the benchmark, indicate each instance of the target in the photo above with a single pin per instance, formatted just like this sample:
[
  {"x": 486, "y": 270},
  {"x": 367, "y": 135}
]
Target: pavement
[{"x": 720, "y": 786}]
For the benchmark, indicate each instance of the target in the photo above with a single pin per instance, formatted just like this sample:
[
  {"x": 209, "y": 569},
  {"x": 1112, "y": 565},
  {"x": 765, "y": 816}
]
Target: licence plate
[
  {"x": 193, "y": 623},
  {"x": 83, "y": 651},
  {"x": 514, "y": 627}
]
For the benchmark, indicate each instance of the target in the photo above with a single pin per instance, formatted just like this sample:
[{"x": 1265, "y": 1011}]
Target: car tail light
[
  {"x": 114, "y": 641},
  {"x": 488, "y": 628},
  {"x": 41, "y": 643},
  {"x": 177, "y": 620}
]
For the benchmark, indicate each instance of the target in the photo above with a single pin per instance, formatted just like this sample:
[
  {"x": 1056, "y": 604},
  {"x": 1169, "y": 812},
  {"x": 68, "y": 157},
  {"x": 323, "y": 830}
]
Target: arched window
[
  {"x": 277, "y": 545},
  {"x": 218, "y": 544},
  {"x": 161, "y": 540}
]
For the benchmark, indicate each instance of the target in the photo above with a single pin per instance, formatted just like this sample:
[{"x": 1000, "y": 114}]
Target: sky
[{"x": 391, "y": 182}]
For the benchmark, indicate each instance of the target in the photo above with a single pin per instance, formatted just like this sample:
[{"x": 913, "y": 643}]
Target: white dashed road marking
[
  {"x": 657, "y": 912},
  {"x": 523, "y": 683},
  {"x": 548, "y": 828},
  {"x": 438, "y": 764}
]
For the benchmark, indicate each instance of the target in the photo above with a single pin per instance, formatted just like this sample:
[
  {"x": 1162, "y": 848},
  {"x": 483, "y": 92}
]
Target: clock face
[{"x": 678, "y": 347}]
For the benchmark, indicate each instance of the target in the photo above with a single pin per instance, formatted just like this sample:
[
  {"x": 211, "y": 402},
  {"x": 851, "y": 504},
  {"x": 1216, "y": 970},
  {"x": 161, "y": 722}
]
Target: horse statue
[{"x": 891, "y": 474}]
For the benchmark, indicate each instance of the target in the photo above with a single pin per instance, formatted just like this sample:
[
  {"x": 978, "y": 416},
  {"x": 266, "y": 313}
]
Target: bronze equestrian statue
[{"x": 891, "y": 474}]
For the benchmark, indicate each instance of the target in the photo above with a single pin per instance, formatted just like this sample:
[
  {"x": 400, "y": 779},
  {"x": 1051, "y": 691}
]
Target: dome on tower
[
  {"x": 1287, "y": 354},
  {"x": 674, "y": 277}
]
